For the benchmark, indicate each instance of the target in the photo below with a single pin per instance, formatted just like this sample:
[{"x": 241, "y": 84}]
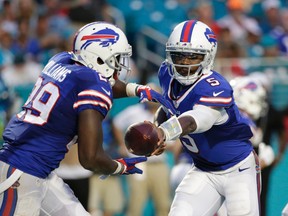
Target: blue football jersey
[
  {"x": 223, "y": 145},
  {"x": 37, "y": 138}
]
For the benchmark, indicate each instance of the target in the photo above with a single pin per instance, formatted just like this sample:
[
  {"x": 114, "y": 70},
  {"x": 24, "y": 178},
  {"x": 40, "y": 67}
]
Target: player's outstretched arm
[
  {"x": 145, "y": 93},
  {"x": 90, "y": 138},
  {"x": 91, "y": 153},
  {"x": 198, "y": 120}
]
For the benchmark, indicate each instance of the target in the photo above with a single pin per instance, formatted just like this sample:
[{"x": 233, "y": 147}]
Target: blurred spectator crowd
[
  {"x": 39, "y": 28},
  {"x": 34, "y": 30}
]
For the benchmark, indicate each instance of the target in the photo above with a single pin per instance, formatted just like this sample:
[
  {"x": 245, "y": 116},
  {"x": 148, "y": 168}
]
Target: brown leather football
[{"x": 141, "y": 138}]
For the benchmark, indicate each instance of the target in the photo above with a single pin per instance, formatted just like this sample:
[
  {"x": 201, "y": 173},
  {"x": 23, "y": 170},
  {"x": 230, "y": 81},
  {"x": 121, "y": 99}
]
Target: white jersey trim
[{"x": 96, "y": 94}]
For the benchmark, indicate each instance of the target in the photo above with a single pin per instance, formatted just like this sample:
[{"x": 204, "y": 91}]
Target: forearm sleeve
[{"x": 205, "y": 117}]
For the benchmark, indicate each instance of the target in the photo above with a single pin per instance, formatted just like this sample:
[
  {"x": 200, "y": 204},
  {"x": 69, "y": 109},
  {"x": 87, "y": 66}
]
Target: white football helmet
[
  {"x": 104, "y": 48},
  {"x": 191, "y": 36},
  {"x": 250, "y": 96}
]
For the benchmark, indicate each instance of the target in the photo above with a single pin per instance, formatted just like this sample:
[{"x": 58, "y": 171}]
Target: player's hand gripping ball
[{"x": 141, "y": 138}]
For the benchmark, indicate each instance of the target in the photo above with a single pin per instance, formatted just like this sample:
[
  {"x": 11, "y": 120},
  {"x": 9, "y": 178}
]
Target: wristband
[
  {"x": 131, "y": 89},
  {"x": 171, "y": 128},
  {"x": 120, "y": 168}
]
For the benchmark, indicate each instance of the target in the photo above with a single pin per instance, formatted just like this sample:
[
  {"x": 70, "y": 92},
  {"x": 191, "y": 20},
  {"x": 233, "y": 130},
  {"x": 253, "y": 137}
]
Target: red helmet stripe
[
  {"x": 99, "y": 36},
  {"x": 187, "y": 31}
]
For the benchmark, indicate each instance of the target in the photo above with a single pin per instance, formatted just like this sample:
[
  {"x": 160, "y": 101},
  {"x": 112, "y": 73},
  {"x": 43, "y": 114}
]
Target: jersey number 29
[{"x": 40, "y": 103}]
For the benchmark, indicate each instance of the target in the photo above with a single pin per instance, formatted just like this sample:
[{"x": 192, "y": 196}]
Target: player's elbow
[
  {"x": 88, "y": 160},
  {"x": 87, "y": 163}
]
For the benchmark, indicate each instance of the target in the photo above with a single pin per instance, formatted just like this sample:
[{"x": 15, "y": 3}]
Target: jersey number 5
[
  {"x": 40, "y": 103},
  {"x": 189, "y": 143},
  {"x": 213, "y": 81}
]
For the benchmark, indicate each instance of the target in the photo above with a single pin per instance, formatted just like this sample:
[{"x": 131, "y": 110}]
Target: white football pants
[
  {"x": 202, "y": 193},
  {"x": 35, "y": 196}
]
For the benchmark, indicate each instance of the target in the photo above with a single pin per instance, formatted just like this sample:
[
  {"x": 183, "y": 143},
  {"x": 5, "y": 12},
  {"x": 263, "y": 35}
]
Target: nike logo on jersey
[
  {"x": 241, "y": 170},
  {"x": 107, "y": 92},
  {"x": 218, "y": 93}
]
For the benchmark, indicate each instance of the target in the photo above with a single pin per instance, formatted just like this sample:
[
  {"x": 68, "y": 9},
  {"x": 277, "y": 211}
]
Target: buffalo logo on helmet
[
  {"x": 106, "y": 37},
  {"x": 211, "y": 37},
  {"x": 251, "y": 86}
]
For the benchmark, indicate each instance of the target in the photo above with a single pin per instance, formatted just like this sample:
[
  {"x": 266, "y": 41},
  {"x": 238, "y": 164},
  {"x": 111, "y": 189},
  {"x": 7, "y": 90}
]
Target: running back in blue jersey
[
  {"x": 223, "y": 145},
  {"x": 37, "y": 138}
]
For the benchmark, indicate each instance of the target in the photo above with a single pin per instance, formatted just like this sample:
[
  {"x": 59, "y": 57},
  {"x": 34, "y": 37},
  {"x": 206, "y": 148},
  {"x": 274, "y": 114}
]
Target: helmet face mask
[
  {"x": 191, "y": 38},
  {"x": 104, "y": 48},
  {"x": 186, "y": 66}
]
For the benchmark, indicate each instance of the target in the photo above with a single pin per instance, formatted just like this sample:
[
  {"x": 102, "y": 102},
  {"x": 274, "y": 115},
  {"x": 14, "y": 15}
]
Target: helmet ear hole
[{"x": 100, "y": 61}]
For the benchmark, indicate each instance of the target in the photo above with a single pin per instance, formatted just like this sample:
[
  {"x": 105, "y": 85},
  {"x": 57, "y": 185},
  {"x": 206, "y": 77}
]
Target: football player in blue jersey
[
  {"x": 209, "y": 126},
  {"x": 68, "y": 103},
  {"x": 251, "y": 99},
  {"x": 250, "y": 95}
]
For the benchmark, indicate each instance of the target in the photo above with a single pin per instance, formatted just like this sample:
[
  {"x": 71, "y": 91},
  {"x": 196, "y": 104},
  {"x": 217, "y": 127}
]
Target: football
[{"x": 141, "y": 138}]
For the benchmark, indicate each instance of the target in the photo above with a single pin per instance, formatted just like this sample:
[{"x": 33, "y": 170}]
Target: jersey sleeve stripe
[
  {"x": 216, "y": 100},
  {"x": 96, "y": 94},
  {"x": 92, "y": 102}
]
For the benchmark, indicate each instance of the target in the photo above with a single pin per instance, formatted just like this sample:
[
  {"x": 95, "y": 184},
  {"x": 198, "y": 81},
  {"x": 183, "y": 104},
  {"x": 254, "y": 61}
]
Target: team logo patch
[
  {"x": 105, "y": 38},
  {"x": 251, "y": 85},
  {"x": 211, "y": 37}
]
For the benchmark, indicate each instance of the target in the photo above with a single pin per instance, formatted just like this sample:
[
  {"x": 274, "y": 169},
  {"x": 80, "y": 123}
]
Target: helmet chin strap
[
  {"x": 112, "y": 81},
  {"x": 77, "y": 58},
  {"x": 113, "y": 78}
]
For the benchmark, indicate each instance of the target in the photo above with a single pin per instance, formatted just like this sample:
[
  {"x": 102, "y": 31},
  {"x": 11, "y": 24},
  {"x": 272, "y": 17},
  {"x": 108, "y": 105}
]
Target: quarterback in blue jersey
[
  {"x": 68, "y": 103},
  {"x": 209, "y": 126}
]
